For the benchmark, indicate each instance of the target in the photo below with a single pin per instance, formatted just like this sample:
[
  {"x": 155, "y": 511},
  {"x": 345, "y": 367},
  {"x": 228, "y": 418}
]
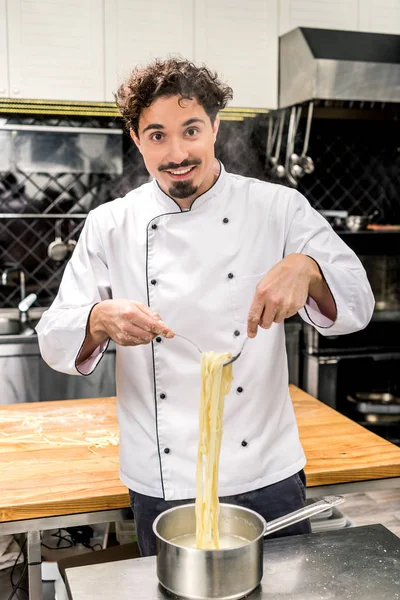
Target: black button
[
  {"x": 162, "y": 396},
  {"x": 237, "y": 333},
  {"x": 154, "y": 226},
  {"x": 158, "y": 339},
  {"x": 230, "y": 275},
  {"x": 153, "y": 281},
  {"x": 240, "y": 390},
  {"x": 167, "y": 450},
  {"x": 244, "y": 443},
  {"x": 225, "y": 220}
]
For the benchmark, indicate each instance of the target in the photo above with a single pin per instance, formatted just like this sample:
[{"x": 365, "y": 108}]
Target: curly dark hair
[{"x": 171, "y": 77}]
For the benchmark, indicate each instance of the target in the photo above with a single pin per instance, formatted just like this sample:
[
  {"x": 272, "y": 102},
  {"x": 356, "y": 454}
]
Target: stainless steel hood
[{"x": 325, "y": 64}]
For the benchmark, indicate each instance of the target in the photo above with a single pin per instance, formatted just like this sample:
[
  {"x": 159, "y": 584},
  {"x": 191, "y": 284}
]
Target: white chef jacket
[{"x": 199, "y": 269}]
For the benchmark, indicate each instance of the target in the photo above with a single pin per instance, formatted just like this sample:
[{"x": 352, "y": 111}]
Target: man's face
[{"x": 177, "y": 141}]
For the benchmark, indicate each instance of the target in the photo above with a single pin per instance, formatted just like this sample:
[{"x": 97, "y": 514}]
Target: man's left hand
[{"x": 284, "y": 290}]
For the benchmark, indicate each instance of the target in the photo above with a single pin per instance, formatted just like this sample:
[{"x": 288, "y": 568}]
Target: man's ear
[
  {"x": 136, "y": 140},
  {"x": 216, "y": 127}
]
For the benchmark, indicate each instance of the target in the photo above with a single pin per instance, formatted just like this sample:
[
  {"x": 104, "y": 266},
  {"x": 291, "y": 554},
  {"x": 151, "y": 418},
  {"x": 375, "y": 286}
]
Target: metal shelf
[{"x": 43, "y": 216}]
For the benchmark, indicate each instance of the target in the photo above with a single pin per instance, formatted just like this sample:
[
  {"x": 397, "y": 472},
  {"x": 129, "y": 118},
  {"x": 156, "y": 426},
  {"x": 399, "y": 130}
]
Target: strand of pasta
[
  {"x": 28, "y": 429},
  {"x": 216, "y": 383}
]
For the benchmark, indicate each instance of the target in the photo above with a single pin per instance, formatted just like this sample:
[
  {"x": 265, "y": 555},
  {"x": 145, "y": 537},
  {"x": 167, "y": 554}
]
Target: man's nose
[{"x": 177, "y": 151}]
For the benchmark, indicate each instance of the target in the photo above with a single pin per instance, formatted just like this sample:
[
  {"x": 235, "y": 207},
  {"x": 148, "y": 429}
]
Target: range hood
[{"x": 325, "y": 64}]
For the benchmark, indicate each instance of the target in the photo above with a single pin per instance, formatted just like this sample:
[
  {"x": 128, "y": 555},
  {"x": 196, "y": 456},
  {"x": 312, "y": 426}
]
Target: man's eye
[
  {"x": 157, "y": 137},
  {"x": 192, "y": 131}
]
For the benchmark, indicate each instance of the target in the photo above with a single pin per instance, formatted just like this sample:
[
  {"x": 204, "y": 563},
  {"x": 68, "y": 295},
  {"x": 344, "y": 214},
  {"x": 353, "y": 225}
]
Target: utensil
[
  {"x": 271, "y": 137},
  {"x": 278, "y": 170},
  {"x": 59, "y": 249},
  {"x": 306, "y": 162},
  {"x": 229, "y": 362},
  {"x": 294, "y": 158},
  {"x": 226, "y": 574},
  {"x": 289, "y": 147},
  {"x": 232, "y": 360}
]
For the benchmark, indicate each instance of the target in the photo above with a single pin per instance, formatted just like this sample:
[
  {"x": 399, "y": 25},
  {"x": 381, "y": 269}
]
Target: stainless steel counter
[
  {"x": 25, "y": 377},
  {"x": 361, "y": 563}
]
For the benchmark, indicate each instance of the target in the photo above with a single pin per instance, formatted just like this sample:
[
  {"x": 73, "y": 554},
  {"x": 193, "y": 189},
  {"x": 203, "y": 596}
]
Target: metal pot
[
  {"x": 359, "y": 222},
  {"x": 227, "y": 574}
]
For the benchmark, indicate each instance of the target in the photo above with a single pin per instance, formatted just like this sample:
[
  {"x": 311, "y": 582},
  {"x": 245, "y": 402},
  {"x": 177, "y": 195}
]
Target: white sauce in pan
[{"x": 225, "y": 541}]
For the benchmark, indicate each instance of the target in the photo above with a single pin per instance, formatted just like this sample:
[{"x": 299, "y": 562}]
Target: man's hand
[
  {"x": 283, "y": 291},
  {"x": 127, "y": 323}
]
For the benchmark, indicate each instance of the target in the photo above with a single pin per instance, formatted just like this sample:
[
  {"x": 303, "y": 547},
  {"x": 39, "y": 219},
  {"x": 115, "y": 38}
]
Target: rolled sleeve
[
  {"x": 88, "y": 366},
  {"x": 62, "y": 328},
  {"x": 309, "y": 233}
]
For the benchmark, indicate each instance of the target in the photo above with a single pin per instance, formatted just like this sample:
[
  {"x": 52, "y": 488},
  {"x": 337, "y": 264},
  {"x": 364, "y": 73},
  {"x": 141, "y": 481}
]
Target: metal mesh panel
[
  {"x": 24, "y": 242},
  {"x": 357, "y": 167}
]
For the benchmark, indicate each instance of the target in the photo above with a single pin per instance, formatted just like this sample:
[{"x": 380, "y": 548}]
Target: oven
[{"x": 359, "y": 374}]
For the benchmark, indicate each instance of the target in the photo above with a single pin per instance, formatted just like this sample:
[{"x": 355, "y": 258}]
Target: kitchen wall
[{"x": 357, "y": 168}]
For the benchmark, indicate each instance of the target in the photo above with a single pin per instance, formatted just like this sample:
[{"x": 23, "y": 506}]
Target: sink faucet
[
  {"x": 8, "y": 271},
  {"x": 25, "y": 301}
]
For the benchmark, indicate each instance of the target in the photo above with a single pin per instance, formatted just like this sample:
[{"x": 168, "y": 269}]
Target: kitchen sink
[
  {"x": 13, "y": 327},
  {"x": 9, "y": 326}
]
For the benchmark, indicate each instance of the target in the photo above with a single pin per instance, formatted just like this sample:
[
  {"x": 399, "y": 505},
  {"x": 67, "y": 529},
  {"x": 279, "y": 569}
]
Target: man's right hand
[{"x": 127, "y": 323}]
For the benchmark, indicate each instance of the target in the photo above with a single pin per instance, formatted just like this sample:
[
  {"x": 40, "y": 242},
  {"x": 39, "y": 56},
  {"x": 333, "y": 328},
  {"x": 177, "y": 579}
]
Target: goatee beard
[{"x": 182, "y": 189}]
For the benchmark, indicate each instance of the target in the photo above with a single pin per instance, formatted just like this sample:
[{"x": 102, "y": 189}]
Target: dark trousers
[{"x": 270, "y": 502}]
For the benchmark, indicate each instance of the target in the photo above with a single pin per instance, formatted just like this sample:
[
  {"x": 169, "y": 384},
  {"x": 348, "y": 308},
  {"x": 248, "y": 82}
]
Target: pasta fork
[
  {"x": 229, "y": 362},
  {"x": 232, "y": 360}
]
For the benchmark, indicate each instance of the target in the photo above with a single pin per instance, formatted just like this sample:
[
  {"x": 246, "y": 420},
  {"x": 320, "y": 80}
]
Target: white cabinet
[
  {"x": 3, "y": 51},
  {"x": 137, "y": 31},
  {"x": 82, "y": 49},
  {"x": 240, "y": 41},
  {"x": 56, "y": 49},
  {"x": 323, "y": 14},
  {"x": 380, "y": 17}
]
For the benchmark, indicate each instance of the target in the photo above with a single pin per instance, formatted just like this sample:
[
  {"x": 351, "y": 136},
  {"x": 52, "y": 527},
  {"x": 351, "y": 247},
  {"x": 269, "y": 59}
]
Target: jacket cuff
[
  {"x": 353, "y": 298},
  {"x": 88, "y": 366},
  {"x": 315, "y": 316}
]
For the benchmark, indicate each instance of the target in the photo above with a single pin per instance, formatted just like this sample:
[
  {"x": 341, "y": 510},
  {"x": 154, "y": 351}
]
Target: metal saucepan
[
  {"x": 227, "y": 574},
  {"x": 340, "y": 219},
  {"x": 359, "y": 222}
]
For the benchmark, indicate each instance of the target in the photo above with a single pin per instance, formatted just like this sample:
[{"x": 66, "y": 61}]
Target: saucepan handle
[{"x": 303, "y": 513}]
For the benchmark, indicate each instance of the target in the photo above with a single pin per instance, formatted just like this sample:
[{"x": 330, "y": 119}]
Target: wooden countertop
[{"x": 68, "y": 462}]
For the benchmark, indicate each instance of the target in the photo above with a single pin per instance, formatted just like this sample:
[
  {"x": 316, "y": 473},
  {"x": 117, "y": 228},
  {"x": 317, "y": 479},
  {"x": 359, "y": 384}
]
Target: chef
[{"x": 213, "y": 257}]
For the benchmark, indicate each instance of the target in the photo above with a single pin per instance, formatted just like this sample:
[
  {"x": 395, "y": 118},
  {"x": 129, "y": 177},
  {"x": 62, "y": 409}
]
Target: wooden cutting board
[{"x": 68, "y": 461}]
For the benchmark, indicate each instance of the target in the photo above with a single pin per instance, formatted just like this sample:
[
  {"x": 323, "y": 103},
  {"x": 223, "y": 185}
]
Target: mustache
[{"x": 183, "y": 165}]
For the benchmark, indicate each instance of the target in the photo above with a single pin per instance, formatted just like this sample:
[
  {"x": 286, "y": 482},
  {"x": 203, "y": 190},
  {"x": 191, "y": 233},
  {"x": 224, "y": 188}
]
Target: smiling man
[
  {"x": 213, "y": 257},
  {"x": 188, "y": 176},
  {"x": 193, "y": 171}
]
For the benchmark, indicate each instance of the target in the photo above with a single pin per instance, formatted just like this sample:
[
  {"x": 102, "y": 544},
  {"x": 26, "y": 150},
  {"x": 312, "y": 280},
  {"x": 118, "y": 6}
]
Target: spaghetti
[{"x": 216, "y": 384}]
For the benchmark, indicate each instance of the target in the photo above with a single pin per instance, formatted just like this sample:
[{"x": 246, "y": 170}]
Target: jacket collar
[{"x": 169, "y": 205}]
